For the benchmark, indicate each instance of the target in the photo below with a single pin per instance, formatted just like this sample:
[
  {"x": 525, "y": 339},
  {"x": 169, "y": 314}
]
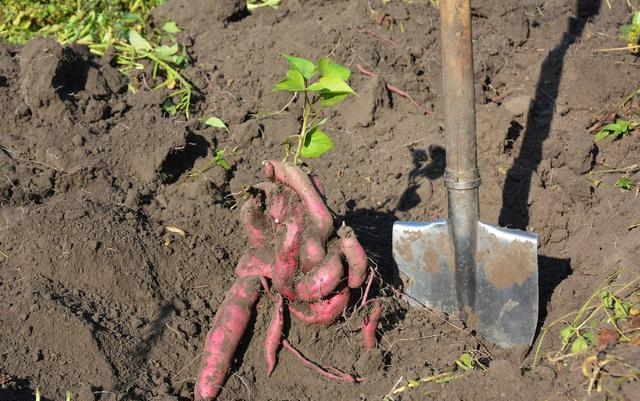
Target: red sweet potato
[
  {"x": 287, "y": 251},
  {"x": 278, "y": 199},
  {"x": 369, "y": 326},
  {"x": 325, "y": 311},
  {"x": 317, "y": 184},
  {"x": 355, "y": 255},
  {"x": 256, "y": 262},
  {"x": 311, "y": 251},
  {"x": 255, "y": 222},
  {"x": 322, "y": 280},
  {"x": 300, "y": 182},
  {"x": 229, "y": 324},
  {"x": 274, "y": 335}
]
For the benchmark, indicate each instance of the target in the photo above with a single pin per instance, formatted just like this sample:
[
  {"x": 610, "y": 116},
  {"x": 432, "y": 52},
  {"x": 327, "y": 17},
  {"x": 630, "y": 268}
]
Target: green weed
[
  {"x": 118, "y": 27},
  {"x": 323, "y": 83},
  {"x": 631, "y": 33},
  {"x": 625, "y": 183},
  {"x": 218, "y": 160},
  {"x": 619, "y": 129},
  {"x": 467, "y": 362},
  {"x": 606, "y": 319},
  {"x": 166, "y": 62},
  {"x": 215, "y": 122},
  {"x": 69, "y": 21}
]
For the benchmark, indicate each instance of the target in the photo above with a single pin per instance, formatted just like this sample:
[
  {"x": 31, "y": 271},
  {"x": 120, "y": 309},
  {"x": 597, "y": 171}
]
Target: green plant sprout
[
  {"x": 215, "y": 122},
  {"x": 467, "y": 362},
  {"x": 253, "y": 5},
  {"x": 218, "y": 160},
  {"x": 616, "y": 130},
  {"x": 625, "y": 184},
  {"x": 323, "y": 83},
  {"x": 631, "y": 33}
]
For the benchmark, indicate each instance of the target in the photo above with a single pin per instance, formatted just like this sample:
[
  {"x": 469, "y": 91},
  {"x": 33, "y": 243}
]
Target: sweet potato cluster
[{"x": 293, "y": 256}]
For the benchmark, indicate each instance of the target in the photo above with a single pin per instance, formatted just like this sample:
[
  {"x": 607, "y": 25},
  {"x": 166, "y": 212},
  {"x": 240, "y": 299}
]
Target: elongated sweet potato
[
  {"x": 369, "y": 326},
  {"x": 229, "y": 324},
  {"x": 322, "y": 280},
  {"x": 300, "y": 182},
  {"x": 355, "y": 255},
  {"x": 274, "y": 335},
  {"x": 287, "y": 251},
  {"x": 325, "y": 311},
  {"x": 256, "y": 262}
]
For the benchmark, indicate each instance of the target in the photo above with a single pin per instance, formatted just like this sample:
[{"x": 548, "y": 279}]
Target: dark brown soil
[{"x": 100, "y": 300}]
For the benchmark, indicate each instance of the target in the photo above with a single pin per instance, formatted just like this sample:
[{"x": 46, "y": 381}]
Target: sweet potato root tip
[
  {"x": 274, "y": 335},
  {"x": 300, "y": 182},
  {"x": 325, "y": 311},
  {"x": 329, "y": 372},
  {"x": 256, "y": 262},
  {"x": 255, "y": 223},
  {"x": 322, "y": 280},
  {"x": 229, "y": 324},
  {"x": 315, "y": 180},
  {"x": 369, "y": 326},
  {"x": 355, "y": 255}
]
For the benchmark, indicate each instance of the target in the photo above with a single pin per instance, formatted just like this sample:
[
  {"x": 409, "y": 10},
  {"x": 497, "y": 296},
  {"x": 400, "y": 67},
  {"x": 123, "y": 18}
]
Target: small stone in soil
[
  {"x": 163, "y": 388},
  {"x": 78, "y": 140}
]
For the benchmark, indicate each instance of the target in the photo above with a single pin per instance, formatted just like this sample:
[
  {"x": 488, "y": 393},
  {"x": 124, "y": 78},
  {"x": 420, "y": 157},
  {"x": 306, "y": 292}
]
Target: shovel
[{"x": 486, "y": 274}]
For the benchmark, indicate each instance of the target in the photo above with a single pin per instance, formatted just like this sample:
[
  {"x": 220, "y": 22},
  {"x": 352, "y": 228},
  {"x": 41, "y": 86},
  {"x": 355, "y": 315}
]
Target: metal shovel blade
[{"x": 505, "y": 301}]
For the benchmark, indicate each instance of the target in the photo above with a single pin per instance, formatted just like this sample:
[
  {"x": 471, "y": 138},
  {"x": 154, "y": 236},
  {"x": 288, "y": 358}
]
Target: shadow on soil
[
  {"x": 376, "y": 235},
  {"x": 515, "y": 214}
]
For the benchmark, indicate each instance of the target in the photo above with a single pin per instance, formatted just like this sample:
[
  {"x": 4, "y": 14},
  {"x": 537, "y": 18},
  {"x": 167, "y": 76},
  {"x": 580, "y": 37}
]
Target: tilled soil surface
[{"x": 99, "y": 299}]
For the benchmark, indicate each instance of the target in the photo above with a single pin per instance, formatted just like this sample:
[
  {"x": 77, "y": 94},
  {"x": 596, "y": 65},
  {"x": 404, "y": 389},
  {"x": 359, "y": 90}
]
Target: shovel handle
[
  {"x": 462, "y": 177},
  {"x": 459, "y": 100}
]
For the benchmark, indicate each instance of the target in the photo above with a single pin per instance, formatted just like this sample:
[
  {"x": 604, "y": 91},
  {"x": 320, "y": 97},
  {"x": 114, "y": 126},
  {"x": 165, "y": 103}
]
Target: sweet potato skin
[
  {"x": 255, "y": 222},
  {"x": 355, "y": 256},
  {"x": 325, "y": 311},
  {"x": 274, "y": 335},
  {"x": 256, "y": 262},
  {"x": 229, "y": 324},
  {"x": 311, "y": 251},
  {"x": 287, "y": 251},
  {"x": 369, "y": 326},
  {"x": 322, "y": 280},
  {"x": 300, "y": 182}
]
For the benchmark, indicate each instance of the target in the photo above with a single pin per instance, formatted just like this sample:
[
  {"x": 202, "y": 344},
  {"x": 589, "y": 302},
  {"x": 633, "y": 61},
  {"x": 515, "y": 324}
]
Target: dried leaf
[{"x": 607, "y": 336}]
